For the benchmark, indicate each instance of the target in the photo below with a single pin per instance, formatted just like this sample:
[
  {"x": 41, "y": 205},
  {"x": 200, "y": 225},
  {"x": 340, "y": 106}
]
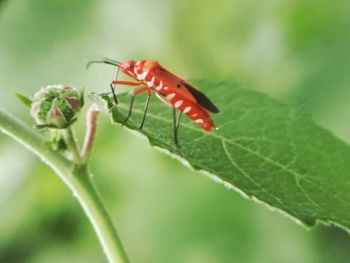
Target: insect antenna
[
  {"x": 109, "y": 62},
  {"x": 105, "y": 61}
]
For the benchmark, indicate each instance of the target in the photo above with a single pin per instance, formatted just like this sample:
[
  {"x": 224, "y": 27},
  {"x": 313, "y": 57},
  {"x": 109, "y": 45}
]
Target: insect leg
[
  {"x": 128, "y": 83},
  {"x": 146, "y": 108},
  {"x": 114, "y": 96},
  {"x": 112, "y": 88},
  {"x": 121, "y": 82},
  {"x": 130, "y": 109},
  {"x": 138, "y": 91},
  {"x": 176, "y": 122}
]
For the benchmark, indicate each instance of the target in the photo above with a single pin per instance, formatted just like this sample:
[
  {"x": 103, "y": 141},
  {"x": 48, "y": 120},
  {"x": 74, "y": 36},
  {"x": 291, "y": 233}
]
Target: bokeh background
[{"x": 294, "y": 50}]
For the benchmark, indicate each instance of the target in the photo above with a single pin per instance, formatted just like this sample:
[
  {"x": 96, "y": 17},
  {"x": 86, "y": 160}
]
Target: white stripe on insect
[
  {"x": 151, "y": 83},
  {"x": 138, "y": 63},
  {"x": 178, "y": 103},
  {"x": 142, "y": 76},
  {"x": 164, "y": 100},
  {"x": 199, "y": 121},
  {"x": 165, "y": 88},
  {"x": 170, "y": 96},
  {"x": 187, "y": 109},
  {"x": 194, "y": 115},
  {"x": 160, "y": 86}
]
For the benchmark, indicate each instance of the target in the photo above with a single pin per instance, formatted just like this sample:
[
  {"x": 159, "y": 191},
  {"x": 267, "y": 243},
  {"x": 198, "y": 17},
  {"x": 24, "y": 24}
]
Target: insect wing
[{"x": 185, "y": 89}]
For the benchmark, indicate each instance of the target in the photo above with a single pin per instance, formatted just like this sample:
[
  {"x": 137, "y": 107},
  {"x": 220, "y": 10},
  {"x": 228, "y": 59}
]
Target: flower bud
[{"x": 56, "y": 106}]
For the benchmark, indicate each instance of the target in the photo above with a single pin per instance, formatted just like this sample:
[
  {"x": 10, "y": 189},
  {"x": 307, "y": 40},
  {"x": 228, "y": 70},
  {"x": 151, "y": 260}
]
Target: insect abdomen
[
  {"x": 194, "y": 113},
  {"x": 166, "y": 94}
]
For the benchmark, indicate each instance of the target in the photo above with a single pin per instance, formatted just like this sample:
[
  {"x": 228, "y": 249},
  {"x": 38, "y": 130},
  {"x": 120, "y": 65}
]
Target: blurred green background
[{"x": 296, "y": 51}]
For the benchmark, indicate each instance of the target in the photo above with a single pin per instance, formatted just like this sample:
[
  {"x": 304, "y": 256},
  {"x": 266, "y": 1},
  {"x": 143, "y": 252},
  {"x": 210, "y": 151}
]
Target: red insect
[{"x": 169, "y": 88}]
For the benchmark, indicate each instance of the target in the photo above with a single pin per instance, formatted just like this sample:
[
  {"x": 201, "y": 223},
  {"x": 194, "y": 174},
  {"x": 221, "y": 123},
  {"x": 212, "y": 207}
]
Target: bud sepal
[{"x": 56, "y": 106}]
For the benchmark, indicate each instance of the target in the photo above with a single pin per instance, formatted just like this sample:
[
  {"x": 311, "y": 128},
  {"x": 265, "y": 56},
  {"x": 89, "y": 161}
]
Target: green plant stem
[
  {"x": 72, "y": 144},
  {"x": 76, "y": 178},
  {"x": 99, "y": 218}
]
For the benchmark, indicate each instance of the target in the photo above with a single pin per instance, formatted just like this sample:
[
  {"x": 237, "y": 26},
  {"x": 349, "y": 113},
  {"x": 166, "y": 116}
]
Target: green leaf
[
  {"x": 271, "y": 152},
  {"x": 24, "y": 99}
]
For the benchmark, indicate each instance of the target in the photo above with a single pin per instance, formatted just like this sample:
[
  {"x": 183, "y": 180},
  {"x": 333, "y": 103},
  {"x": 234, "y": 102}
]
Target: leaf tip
[{"x": 24, "y": 99}]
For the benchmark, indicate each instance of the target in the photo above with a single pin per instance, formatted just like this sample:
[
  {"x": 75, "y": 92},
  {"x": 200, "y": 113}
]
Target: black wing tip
[
  {"x": 201, "y": 98},
  {"x": 208, "y": 105},
  {"x": 214, "y": 110}
]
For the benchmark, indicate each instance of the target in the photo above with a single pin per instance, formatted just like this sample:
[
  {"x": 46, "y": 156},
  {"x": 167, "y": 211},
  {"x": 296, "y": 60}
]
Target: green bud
[{"x": 56, "y": 106}]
